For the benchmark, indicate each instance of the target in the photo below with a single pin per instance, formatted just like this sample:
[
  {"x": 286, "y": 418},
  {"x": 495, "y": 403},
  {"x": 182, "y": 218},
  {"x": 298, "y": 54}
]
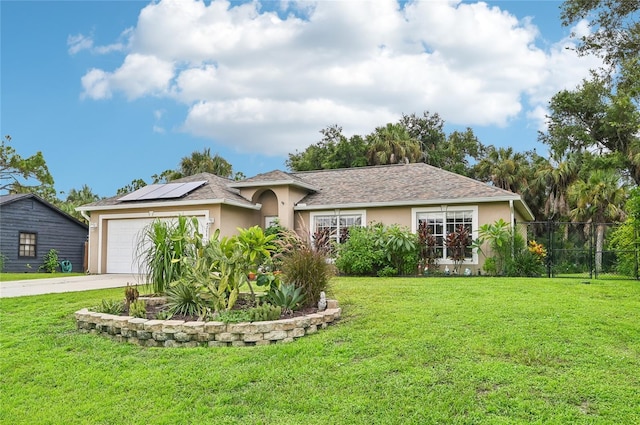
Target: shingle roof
[
  {"x": 217, "y": 188},
  {"x": 388, "y": 184},
  {"x": 274, "y": 178},
  {"x": 401, "y": 184},
  {"x": 7, "y": 199}
]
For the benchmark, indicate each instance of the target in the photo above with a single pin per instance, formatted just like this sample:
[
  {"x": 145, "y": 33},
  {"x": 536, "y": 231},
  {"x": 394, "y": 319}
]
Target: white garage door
[{"x": 122, "y": 242}]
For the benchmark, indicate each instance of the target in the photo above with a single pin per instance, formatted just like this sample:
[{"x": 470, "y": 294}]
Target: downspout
[
  {"x": 513, "y": 230},
  {"x": 86, "y": 216}
]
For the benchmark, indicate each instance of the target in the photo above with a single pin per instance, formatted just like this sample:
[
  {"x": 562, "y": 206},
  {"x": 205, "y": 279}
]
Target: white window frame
[
  {"x": 443, "y": 210},
  {"x": 270, "y": 220},
  {"x": 337, "y": 214}
]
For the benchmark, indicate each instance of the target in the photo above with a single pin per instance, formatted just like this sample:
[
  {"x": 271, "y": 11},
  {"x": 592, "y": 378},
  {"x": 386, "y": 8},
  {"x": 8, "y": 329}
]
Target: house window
[
  {"x": 441, "y": 222},
  {"x": 335, "y": 224},
  {"x": 270, "y": 220},
  {"x": 27, "y": 245}
]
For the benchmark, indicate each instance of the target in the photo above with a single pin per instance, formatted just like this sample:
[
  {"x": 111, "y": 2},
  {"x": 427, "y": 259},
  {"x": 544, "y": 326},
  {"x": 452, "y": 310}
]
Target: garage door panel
[{"x": 123, "y": 238}]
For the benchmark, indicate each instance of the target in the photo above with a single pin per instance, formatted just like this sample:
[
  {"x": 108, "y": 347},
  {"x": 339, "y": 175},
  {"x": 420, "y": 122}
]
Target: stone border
[{"x": 178, "y": 333}]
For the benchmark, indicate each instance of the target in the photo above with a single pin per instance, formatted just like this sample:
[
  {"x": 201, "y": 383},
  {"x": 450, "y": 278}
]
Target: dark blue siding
[{"x": 54, "y": 229}]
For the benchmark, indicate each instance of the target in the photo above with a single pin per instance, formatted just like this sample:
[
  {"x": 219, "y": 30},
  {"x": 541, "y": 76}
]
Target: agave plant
[{"x": 287, "y": 296}]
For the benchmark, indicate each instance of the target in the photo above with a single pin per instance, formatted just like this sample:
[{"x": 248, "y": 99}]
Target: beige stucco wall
[
  {"x": 487, "y": 213},
  {"x": 287, "y": 198},
  {"x": 216, "y": 216},
  {"x": 236, "y": 217}
]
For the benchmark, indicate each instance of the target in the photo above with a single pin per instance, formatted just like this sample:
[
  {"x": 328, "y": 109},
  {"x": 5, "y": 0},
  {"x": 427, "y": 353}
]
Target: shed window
[{"x": 27, "y": 245}]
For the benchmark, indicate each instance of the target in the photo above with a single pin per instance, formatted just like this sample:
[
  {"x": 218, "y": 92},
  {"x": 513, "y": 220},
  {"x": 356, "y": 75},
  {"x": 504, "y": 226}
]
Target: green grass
[
  {"x": 6, "y": 277},
  {"x": 407, "y": 351}
]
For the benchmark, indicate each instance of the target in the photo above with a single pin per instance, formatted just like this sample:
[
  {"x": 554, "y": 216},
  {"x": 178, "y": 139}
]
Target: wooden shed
[{"x": 31, "y": 226}]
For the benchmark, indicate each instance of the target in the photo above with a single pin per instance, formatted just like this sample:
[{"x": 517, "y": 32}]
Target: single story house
[
  {"x": 30, "y": 227},
  {"x": 403, "y": 194}
]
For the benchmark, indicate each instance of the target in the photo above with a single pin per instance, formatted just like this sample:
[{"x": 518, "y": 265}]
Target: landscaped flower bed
[{"x": 180, "y": 333}]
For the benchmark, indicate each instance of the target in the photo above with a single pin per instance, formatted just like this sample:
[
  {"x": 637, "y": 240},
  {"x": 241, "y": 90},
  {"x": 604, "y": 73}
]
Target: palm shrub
[
  {"x": 498, "y": 236},
  {"x": 401, "y": 248},
  {"x": 182, "y": 298},
  {"x": 163, "y": 250}
]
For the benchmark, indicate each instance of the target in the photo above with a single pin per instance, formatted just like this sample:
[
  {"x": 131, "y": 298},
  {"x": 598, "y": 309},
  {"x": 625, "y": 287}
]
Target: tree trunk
[{"x": 599, "y": 246}]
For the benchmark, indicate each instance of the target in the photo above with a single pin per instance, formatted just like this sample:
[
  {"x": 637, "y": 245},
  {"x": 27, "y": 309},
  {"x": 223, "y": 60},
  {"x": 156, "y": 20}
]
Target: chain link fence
[{"x": 588, "y": 250}]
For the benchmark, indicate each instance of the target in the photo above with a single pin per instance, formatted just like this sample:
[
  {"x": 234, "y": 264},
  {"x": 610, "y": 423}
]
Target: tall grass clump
[
  {"x": 308, "y": 269},
  {"x": 162, "y": 248},
  {"x": 303, "y": 265}
]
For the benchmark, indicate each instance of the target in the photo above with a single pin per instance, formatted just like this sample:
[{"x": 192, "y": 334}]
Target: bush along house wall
[{"x": 178, "y": 333}]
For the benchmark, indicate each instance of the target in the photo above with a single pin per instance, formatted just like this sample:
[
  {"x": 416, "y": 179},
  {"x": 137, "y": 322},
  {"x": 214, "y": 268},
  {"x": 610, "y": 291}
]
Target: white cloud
[
  {"x": 80, "y": 42},
  {"x": 261, "y": 80}
]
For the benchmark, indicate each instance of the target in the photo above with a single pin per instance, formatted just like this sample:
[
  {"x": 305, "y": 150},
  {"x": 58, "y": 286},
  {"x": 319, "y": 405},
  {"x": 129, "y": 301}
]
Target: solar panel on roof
[
  {"x": 163, "y": 191},
  {"x": 140, "y": 192}
]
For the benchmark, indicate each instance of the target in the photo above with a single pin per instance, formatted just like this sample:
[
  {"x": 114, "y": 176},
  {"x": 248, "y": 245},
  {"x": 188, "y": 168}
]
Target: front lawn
[{"x": 407, "y": 351}]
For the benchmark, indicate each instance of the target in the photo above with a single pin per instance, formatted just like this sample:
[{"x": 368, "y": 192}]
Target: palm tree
[
  {"x": 502, "y": 167},
  {"x": 598, "y": 201},
  {"x": 392, "y": 144},
  {"x": 557, "y": 178},
  {"x": 203, "y": 162},
  {"x": 76, "y": 198}
]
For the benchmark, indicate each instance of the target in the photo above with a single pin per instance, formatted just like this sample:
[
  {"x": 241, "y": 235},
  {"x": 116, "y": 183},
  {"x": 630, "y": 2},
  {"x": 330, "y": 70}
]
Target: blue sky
[{"x": 112, "y": 91}]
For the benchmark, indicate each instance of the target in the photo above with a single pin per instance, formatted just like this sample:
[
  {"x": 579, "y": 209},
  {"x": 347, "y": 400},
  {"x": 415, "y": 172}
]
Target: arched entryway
[{"x": 269, "y": 210}]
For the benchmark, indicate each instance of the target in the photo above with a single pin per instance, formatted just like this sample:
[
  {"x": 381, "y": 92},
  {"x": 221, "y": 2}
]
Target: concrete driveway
[{"x": 19, "y": 288}]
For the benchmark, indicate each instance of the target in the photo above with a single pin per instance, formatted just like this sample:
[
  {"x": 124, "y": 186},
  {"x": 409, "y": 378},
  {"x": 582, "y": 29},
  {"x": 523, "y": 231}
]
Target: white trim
[
  {"x": 335, "y": 213},
  {"x": 271, "y": 183},
  {"x": 445, "y": 209},
  {"x": 150, "y": 214},
  {"x": 306, "y": 207},
  {"x": 127, "y": 206}
]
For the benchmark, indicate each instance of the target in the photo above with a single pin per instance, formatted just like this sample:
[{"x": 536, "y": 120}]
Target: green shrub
[
  {"x": 360, "y": 255},
  {"x": 387, "y": 271},
  {"x": 287, "y": 296},
  {"x": 234, "y": 316},
  {"x": 265, "y": 312},
  {"x": 164, "y": 315},
  {"x": 138, "y": 308},
  {"x": 372, "y": 248},
  {"x": 309, "y": 270},
  {"x": 182, "y": 298},
  {"x": 50, "y": 262},
  {"x": 524, "y": 264},
  {"x": 115, "y": 307},
  {"x": 2, "y": 261},
  {"x": 399, "y": 244},
  {"x": 490, "y": 266},
  {"x": 624, "y": 239}
]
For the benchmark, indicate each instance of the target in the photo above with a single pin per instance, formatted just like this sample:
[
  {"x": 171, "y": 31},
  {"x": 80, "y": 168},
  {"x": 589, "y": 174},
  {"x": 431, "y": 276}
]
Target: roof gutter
[
  {"x": 304, "y": 207},
  {"x": 271, "y": 183},
  {"x": 84, "y": 214},
  {"x": 168, "y": 204}
]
